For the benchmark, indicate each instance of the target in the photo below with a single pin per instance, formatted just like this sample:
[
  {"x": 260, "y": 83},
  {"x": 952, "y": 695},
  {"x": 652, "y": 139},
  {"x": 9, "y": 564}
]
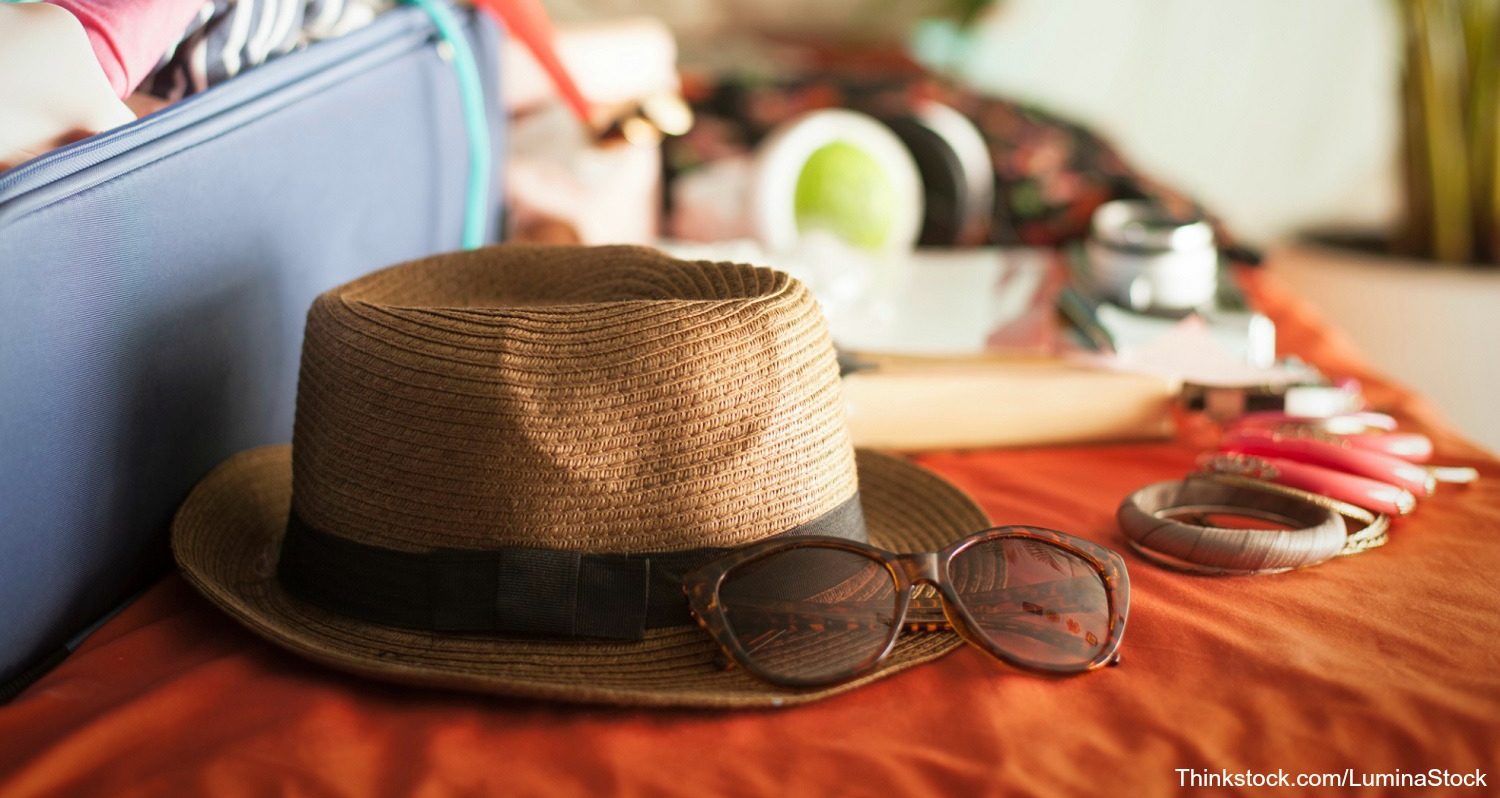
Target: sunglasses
[{"x": 817, "y": 611}]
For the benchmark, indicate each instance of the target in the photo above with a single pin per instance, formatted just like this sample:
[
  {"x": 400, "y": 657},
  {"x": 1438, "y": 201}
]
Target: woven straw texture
[{"x": 601, "y": 400}]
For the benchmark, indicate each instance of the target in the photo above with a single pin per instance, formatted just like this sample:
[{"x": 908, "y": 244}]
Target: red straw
[{"x": 527, "y": 21}]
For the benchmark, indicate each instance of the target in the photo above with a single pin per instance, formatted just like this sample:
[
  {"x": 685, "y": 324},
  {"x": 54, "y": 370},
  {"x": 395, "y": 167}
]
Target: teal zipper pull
[{"x": 476, "y": 124}]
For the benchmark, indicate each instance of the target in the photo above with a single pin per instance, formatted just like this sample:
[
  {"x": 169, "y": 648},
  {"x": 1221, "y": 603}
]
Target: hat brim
[{"x": 227, "y": 537}]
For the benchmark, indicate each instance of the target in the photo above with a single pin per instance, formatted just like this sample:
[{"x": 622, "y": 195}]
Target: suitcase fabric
[{"x": 153, "y": 285}]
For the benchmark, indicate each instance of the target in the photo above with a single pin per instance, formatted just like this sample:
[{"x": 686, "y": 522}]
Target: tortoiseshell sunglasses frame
[{"x": 907, "y": 571}]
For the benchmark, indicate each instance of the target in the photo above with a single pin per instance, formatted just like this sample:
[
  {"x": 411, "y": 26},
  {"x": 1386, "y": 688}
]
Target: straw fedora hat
[{"x": 502, "y": 458}]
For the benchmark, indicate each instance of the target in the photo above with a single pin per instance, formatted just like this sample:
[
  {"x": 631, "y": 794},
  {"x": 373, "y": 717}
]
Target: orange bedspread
[{"x": 1383, "y": 661}]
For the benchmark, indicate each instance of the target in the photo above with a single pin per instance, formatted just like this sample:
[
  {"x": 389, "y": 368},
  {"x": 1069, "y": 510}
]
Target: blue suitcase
[{"x": 153, "y": 285}]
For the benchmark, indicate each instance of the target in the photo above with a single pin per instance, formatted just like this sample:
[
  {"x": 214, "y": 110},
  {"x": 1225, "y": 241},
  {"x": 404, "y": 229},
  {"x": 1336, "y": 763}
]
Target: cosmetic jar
[{"x": 1145, "y": 258}]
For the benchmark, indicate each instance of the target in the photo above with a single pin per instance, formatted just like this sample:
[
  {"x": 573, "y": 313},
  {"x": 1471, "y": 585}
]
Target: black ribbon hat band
[{"x": 520, "y": 591}]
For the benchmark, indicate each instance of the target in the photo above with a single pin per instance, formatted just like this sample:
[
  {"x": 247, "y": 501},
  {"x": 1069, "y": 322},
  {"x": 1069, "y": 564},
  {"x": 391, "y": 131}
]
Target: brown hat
[{"x": 502, "y": 460}]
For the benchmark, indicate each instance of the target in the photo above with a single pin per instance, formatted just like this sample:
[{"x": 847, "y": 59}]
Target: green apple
[{"x": 844, "y": 190}]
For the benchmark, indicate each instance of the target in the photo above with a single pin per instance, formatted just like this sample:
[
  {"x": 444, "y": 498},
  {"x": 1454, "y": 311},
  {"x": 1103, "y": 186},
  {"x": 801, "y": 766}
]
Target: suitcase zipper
[
  {"x": 476, "y": 124},
  {"x": 77, "y": 166}
]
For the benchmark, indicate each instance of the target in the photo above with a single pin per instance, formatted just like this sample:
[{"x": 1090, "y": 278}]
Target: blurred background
[
  {"x": 983, "y": 178},
  {"x": 1352, "y": 141}
]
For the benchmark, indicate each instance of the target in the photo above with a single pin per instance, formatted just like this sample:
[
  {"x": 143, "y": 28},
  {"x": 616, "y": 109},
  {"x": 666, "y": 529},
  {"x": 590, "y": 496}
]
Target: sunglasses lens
[
  {"x": 1034, "y": 600},
  {"x": 810, "y": 615}
]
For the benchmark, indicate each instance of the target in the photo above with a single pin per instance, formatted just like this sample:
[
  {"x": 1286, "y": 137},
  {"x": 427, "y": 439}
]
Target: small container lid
[{"x": 1145, "y": 226}]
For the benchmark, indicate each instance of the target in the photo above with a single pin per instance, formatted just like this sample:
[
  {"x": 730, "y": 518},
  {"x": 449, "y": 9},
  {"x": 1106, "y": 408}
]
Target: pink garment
[{"x": 130, "y": 36}]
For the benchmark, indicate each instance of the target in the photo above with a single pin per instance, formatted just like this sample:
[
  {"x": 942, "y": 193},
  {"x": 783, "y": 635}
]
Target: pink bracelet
[
  {"x": 1332, "y": 452},
  {"x": 1342, "y": 424},
  {"x": 1375, "y": 496},
  {"x": 1412, "y": 447}
]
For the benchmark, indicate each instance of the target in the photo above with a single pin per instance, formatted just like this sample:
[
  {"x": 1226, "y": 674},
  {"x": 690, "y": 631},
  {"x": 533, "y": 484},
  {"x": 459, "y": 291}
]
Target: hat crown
[{"x": 605, "y": 399}]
